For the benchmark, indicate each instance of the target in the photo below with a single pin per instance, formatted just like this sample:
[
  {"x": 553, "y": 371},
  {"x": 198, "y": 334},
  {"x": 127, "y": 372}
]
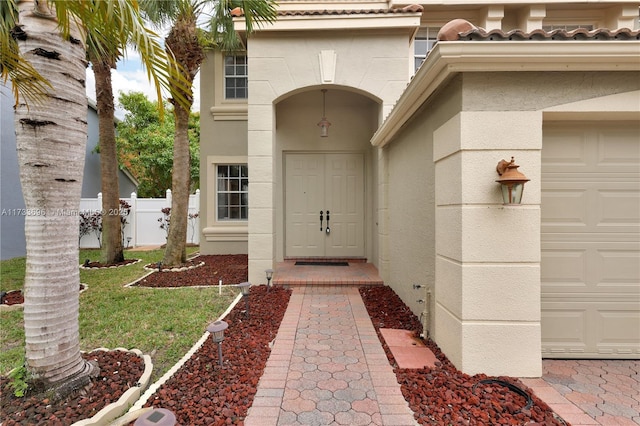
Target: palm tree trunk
[
  {"x": 51, "y": 140},
  {"x": 176, "y": 250},
  {"x": 112, "y": 248},
  {"x": 183, "y": 42}
]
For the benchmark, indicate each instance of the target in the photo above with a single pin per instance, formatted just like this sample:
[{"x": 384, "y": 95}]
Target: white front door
[{"x": 324, "y": 205}]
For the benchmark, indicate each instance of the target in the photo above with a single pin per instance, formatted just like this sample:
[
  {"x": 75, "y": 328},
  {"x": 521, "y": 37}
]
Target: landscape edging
[
  {"x": 138, "y": 405},
  {"x": 118, "y": 408}
]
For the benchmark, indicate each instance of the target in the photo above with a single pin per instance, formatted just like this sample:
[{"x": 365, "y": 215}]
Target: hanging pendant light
[{"x": 324, "y": 123}]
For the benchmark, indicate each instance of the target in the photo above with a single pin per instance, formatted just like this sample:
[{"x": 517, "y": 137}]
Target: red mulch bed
[
  {"x": 98, "y": 265},
  {"x": 13, "y": 297},
  {"x": 119, "y": 371},
  {"x": 203, "y": 393},
  {"x": 230, "y": 268},
  {"x": 443, "y": 395}
]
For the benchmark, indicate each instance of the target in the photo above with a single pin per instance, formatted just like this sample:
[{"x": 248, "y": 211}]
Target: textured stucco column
[
  {"x": 382, "y": 219},
  {"x": 487, "y": 307},
  {"x": 260, "y": 151}
]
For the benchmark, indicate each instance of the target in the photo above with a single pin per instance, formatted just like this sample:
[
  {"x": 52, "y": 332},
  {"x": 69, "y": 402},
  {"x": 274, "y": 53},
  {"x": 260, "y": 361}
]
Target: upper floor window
[
  {"x": 426, "y": 38},
  {"x": 235, "y": 77},
  {"x": 233, "y": 191}
]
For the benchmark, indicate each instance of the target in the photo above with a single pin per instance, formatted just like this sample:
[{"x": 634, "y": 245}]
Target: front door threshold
[
  {"x": 357, "y": 273},
  {"x": 321, "y": 259}
]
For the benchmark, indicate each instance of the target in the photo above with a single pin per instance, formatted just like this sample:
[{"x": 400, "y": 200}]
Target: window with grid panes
[
  {"x": 233, "y": 192},
  {"x": 423, "y": 43},
  {"x": 235, "y": 77}
]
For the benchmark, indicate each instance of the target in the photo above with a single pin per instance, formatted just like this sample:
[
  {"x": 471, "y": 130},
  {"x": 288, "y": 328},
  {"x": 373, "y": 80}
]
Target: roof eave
[
  {"x": 452, "y": 57},
  {"x": 337, "y": 22}
]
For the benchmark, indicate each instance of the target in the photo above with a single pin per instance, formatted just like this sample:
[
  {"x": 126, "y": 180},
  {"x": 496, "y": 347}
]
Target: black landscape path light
[
  {"x": 244, "y": 287},
  {"x": 269, "y": 273},
  {"x": 217, "y": 334},
  {"x": 156, "y": 417}
]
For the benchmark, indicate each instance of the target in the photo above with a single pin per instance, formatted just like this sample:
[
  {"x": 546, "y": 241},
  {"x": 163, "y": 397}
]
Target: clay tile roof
[
  {"x": 414, "y": 8},
  {"x": 459, "y": 29}
]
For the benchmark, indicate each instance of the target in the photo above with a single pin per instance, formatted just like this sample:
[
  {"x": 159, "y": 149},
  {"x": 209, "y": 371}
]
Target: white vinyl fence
[{"x": 143, "y": 225}]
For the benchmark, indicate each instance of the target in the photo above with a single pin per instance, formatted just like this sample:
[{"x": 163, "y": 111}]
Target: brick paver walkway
[
  {"x": 327, "y": 367},
  {"x": 591, "y": 392}
]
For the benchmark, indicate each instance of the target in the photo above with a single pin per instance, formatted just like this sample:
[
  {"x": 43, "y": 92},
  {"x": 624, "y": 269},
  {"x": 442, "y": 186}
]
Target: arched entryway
[{"x": 325, "y": 182}]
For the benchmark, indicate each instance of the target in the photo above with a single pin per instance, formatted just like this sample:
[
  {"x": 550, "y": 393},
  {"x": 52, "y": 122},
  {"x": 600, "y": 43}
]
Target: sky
[{"x": 129, "y": 76}]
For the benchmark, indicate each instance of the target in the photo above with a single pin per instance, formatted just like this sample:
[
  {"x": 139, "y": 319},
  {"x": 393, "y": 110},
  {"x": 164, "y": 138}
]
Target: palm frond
[
  {"x": 255, "y": 12},
  {"x": 25, "y": 80}
]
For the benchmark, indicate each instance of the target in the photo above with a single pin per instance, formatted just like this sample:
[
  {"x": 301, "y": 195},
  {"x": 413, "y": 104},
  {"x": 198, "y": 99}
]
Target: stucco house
[
  {"x": 12, "y": 239},
  {"x": 355, "y": 110}
]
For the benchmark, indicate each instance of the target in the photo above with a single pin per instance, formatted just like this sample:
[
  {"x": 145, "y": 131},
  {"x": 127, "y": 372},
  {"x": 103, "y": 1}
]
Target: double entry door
[{"x": 324, "y": 205}]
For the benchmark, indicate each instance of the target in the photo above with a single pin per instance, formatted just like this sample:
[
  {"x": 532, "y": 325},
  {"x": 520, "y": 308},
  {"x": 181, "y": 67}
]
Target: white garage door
[{"x": 591, "y": 240}]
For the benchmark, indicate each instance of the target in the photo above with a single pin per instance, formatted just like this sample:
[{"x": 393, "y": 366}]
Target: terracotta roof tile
[{"x": 459, "y": 29}]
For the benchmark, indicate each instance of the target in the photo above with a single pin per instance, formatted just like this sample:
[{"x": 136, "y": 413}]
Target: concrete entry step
[{"x": 355, "y": 274}]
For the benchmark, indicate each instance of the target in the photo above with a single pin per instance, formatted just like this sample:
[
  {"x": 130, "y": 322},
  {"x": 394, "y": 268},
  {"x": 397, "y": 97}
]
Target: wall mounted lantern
[
  {"x": 324, "y": 123},
  {"x": 511, "y": 180},
  {"x": 217, "y": 334}
]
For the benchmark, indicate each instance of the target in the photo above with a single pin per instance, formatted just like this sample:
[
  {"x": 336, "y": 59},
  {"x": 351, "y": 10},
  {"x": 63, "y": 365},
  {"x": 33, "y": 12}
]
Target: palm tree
[
  {"x": 187, "y": 43},
  {"x": 112, "y": 247},
  {"x": 51, "y": 137}
]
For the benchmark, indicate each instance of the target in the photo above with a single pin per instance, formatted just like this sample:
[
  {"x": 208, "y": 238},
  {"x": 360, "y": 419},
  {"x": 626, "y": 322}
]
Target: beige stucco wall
[
  {"x": 409, "y": 254},
  {"x": 223, "y": 139},
  {"x": 282, "y": 64},
  {"x": 486, "y": 256}
]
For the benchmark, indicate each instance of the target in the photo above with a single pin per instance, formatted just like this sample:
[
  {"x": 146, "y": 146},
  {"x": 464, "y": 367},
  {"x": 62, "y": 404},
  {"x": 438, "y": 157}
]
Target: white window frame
[
  {"x": 428, "y": 34},
  {"x": 234, "y": 68},
  {"x": 239, "y": 190}
]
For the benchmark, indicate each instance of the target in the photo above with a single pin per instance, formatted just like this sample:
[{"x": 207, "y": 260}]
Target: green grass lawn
[{"x": 163, "y": 323}]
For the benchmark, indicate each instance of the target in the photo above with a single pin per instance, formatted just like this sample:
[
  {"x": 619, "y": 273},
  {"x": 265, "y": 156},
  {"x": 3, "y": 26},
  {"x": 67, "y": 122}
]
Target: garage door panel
[
  {"x": 588, "y": 329},
  {"x": 619, "y": 327},
  {"x": 561, "y": 269},
  {"x": 564, "y": 329},
  {"x": 595, "y": 268},
  {"x": 618, "y": 148},
  {"x": 590, "y": 240},
  {"x": 618, "y": 208},
  {"x": 564, "y": 148},
  {"x": 564, "y": 207},
  {"x": 622, "y": 269}
]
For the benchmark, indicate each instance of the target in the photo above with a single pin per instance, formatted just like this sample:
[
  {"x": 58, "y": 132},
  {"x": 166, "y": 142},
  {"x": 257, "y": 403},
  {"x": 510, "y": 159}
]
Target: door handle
[
  {"x": 328, "y": 229},
  {"x": 320, "y": 220}
]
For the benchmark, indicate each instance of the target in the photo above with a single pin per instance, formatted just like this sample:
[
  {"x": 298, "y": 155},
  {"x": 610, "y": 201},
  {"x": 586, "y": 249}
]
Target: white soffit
[
  {"x": 620, "y": 106},
  {"x": 451, "y": 57}
]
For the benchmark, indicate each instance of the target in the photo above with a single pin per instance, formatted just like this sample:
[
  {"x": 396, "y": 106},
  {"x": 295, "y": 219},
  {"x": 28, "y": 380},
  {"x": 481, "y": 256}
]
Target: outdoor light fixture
[
  {"x": 324, "y": 123},
  {"x": 244, "y": 287},
  {"x": 511, "y": 180},
  {"x": 156, "y": 417},
  {"x": 269, "y": 273},
  {"x": 217, "y": 334}
]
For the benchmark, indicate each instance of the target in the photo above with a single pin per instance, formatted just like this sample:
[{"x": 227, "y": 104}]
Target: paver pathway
[
  {"x": 591, "y": 392},
  {"x": 327, "y": 367}
]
